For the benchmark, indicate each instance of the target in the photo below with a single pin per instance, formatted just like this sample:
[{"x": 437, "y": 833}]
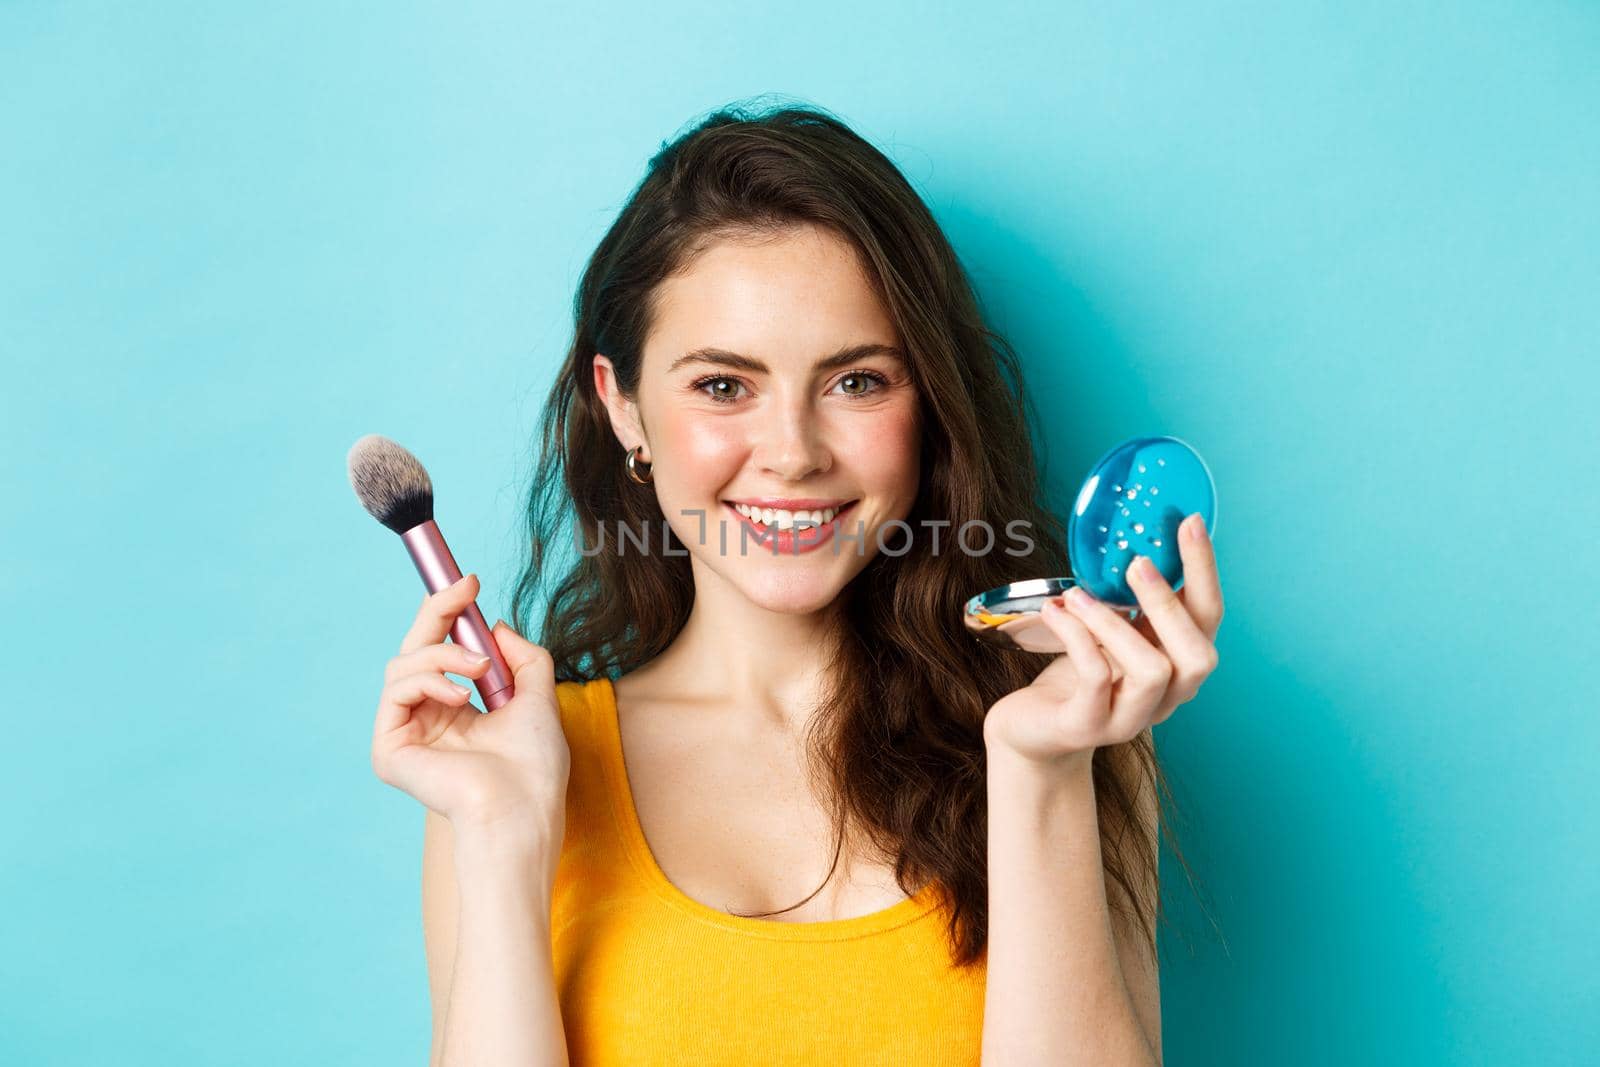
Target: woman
[{"x": 760, "y": 798}]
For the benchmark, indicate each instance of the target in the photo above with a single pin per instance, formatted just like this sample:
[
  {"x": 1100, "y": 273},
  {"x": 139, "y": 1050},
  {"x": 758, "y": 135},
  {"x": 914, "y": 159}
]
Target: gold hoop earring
[{"x": 633, "y": 463}]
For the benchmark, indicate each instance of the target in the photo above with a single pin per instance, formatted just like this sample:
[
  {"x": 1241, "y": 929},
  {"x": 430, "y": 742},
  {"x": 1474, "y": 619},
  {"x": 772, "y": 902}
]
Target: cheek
[
  {"x": 706, "y": 452},
  {"x": 884, "y": 450}
]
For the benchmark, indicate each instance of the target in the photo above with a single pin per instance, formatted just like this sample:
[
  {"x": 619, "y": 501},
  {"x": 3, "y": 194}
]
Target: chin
[{"x": 795, "y": 595}]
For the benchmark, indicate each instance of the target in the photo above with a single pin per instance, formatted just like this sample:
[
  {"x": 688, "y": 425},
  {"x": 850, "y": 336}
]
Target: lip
[
  {"x": 785, "y": 542},
  {"x": 792, "y": 503}
]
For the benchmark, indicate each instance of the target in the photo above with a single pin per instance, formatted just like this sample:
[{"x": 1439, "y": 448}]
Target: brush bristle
[{"x": 390, "y": 483}]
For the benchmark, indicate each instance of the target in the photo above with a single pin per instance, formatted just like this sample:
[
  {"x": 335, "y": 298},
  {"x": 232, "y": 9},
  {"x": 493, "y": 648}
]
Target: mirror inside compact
[{"x": 1131, "y": 504}]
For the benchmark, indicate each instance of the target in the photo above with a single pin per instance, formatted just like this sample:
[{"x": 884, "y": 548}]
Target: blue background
[{"x": 1348, "y": 250}]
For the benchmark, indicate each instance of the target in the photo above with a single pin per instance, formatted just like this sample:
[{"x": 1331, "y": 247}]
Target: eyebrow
[{"x": 723, "y": 358}]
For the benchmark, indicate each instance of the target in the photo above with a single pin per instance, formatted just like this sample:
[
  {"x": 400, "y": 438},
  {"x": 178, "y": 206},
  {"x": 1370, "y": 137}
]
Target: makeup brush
[{"x": 395, "y": 489}]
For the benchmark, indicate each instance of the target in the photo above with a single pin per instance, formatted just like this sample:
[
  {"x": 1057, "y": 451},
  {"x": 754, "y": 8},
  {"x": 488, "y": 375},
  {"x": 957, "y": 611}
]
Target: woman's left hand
[{"x": 1117, "y": 678}]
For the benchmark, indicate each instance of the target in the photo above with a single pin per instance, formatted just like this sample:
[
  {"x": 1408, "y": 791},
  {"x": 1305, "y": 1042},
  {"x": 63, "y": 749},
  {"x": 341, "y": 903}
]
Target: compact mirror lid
[{"x": 1131, "y": 504}]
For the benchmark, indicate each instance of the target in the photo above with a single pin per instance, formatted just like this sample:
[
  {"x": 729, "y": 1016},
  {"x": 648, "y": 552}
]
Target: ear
[{"x": 624, "y": 413}]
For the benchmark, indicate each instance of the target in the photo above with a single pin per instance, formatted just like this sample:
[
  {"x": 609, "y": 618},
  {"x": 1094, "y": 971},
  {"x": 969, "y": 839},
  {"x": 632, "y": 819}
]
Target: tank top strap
[
  {"x": 589, "y": 820},
  {"x": 576, "y": 702}
]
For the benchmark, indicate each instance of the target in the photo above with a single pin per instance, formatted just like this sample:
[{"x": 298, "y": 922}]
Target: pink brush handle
[{"x": 438, "y": 569}]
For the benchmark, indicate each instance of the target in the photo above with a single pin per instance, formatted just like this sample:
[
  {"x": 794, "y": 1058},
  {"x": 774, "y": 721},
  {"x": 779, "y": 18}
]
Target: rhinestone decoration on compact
[{"x": 1131, "y": 505}]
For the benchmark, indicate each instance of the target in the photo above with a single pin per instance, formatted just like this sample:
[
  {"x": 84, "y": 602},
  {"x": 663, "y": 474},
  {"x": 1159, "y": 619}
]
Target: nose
[{"x": 792, "y": 443}]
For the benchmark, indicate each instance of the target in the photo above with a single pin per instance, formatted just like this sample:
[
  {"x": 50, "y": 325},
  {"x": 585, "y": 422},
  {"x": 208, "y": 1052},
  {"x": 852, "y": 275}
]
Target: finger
[
  {"x": 438, "y": 613},
  {"x": 1094, "y": 676},
  {"x": 532, "y": 671},
  {"x": 522, "y": 655},
  {"x": 457, "y": 659},
  {"x": 1202, "y": 587},
  {"x": 400, "y": 698},
  {"x": 1190, "y": 650},
  {"x": 1147, "y": 669},
  {"x": 1117, "y": 716}
]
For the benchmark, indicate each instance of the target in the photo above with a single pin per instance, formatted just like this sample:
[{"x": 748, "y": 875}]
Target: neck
[{"x": 768, "y": 665}]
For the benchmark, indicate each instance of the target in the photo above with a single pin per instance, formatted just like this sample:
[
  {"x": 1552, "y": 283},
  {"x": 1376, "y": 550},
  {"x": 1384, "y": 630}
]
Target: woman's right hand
[{"x": 506, "y": 769}]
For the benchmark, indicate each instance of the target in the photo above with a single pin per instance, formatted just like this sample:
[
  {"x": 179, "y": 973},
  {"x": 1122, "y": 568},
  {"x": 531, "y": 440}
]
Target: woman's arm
[
  {"x": 1065, "y": 984},
  {"x": 498, "y": 992}
]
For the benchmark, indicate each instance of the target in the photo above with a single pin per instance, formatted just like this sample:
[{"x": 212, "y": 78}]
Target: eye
[
  {"x": 868, "y": 376},
  {"x": 717, "y": 379},
  {"x": 722, "y": 389}
]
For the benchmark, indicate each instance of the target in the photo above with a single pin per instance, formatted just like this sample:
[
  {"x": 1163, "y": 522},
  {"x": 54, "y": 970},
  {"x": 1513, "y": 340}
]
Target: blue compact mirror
[{"x": 1130, "y": 505}]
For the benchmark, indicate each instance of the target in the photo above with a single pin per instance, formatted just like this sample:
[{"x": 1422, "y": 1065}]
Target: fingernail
[
  {"x": 1142, "y": 568},
  {"x": 1194, "y": 528},
  {"x": 1077, "y": 598},
  {"x": 463, "y": 690},
  {"x": 480, "y": 661}
]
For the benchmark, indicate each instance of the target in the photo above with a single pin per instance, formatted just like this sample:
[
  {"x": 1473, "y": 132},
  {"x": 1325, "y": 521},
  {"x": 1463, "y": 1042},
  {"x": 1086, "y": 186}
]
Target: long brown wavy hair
[{"x": 899, "y": 731}]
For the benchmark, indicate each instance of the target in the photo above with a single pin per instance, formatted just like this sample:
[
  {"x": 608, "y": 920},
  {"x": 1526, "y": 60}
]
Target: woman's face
[{"x": 742, "y": 401}]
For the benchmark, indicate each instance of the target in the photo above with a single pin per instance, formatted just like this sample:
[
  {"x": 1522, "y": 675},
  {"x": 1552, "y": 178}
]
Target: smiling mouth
[{"x": 778, "y": 519}]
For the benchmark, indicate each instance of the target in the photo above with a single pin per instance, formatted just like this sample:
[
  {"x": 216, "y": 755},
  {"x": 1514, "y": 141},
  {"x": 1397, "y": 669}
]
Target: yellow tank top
[{"x": 646, "y": 974}]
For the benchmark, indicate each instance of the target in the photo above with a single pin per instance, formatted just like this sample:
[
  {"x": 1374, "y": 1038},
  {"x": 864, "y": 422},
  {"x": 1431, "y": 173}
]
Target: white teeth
[{"x": 786, "y": 520}]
